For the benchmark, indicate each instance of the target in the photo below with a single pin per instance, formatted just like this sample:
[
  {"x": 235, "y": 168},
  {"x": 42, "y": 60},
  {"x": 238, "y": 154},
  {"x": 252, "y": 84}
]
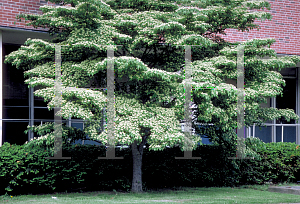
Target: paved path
[{"x": 285, "y": 189}]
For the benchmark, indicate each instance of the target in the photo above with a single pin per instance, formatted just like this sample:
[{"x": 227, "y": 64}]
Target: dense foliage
[
  {"x": 24, "y": 169},
  {"x": 276, "y": 162}
]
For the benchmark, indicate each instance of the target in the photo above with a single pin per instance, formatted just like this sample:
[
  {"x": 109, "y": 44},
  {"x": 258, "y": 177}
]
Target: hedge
[{"x": 24, "y": 169}]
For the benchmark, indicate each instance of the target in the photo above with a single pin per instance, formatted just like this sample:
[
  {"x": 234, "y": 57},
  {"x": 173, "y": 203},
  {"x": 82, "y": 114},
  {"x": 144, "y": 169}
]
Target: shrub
[
  {"x": 35, "y": 174},
  {"x": 24, "y": 168},
  {"x": 277, "y": 162}
]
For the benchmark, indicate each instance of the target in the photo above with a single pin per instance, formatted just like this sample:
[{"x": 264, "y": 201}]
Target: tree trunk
[{"x": 137, "y": 155}]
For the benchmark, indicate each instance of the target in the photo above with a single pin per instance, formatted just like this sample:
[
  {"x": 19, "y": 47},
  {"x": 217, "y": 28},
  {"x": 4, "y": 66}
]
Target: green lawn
[{"x": 245, "y": 194}]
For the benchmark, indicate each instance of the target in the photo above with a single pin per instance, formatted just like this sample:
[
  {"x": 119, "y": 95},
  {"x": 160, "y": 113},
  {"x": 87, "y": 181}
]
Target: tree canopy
[{"x": 150, "y": 65}]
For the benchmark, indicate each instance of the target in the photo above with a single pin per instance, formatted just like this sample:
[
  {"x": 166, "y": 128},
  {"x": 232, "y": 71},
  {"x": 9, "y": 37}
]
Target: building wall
[
  {"x": 11, "y": 8},
  {"x": 284, "y": 27}
]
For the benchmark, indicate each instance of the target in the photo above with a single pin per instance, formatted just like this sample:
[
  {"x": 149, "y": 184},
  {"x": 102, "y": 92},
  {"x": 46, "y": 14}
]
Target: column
[
  {"x": 31, "y": 112},
  {"x": 273, "y": 105},
  {"x": 110, "y": 111},
  {"x": 187, "y": 106}
]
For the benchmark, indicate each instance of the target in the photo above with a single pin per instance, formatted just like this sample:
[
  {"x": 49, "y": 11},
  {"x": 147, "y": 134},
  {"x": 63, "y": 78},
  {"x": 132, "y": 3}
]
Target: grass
[{"x": 242, "y": 194}]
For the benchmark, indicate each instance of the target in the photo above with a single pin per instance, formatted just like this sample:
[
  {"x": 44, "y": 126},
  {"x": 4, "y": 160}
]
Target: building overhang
[{"x": 18, "y": 36}]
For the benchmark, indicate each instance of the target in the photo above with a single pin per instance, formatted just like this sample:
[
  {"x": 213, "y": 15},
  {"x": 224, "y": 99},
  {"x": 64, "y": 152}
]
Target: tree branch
[{"x": 144, "y": 140}]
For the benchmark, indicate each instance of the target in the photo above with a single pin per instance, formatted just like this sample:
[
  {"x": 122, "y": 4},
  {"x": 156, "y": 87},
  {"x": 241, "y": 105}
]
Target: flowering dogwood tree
[{"x": 149, "y": 67}]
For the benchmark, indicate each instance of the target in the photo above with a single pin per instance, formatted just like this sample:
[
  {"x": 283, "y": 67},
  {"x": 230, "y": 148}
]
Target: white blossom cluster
[
  {"x": 195, "y": 39},
  {"x": 36, "y": 81},
  {"x": 45, "y": 70},
  {"x": 131, "y": 116}
]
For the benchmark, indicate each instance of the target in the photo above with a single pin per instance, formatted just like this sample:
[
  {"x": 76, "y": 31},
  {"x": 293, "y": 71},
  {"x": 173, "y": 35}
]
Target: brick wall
[
  {"x": 9, "y": 9},
  {"x": 284, "y": 27}
]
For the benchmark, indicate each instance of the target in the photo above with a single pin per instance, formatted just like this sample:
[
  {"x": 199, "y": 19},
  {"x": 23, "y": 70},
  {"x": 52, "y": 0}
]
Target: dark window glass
[
  {"x": 289, "y": 72},
  {"x": 289, "y": 134},
  {"x": 43, "y": 113},
  {"x": 205, "y": 140},
  {"x": 265, "y": 133},
  {"x": 288, "y": 100},
  {"x": 90, "y": 142},
  {"x": 15, "y": 91},
  {"x": 77, "y": 125},
  {"x": 13, "y": 132},
  {"x": 15, "y": 113},
  {"x": 39, "y": 102},
  {"x": 15, "y": 102}
]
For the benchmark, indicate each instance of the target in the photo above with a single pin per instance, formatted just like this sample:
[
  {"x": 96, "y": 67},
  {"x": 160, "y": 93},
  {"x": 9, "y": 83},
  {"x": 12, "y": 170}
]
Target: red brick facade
[
  {"x": 11, "y": 8},
  {"x": 284, "y": 26}
]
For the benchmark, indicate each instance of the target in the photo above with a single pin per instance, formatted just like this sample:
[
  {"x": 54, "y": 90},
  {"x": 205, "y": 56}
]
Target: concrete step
[{"x": 285, "y": 189}]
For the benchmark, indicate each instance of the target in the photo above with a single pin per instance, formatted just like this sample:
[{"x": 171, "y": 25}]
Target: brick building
[
  {"x": 285, "y": 28},
  {"x": 19, "y": 108}
]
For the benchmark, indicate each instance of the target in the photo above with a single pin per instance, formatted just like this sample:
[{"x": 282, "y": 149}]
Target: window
[
  {"x": 280, "y": 130},
  {"x": 15, "y": 102}
]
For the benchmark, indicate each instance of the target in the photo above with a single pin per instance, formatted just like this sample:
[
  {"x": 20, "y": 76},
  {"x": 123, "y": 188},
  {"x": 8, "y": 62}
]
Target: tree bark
[
  {"x": 137, "y": 169},
  {"x": 137, "y": 155}
]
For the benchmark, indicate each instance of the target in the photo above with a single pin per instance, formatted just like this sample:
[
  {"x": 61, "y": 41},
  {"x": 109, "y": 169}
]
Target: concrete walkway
[{"x": 285, "y": 189}]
